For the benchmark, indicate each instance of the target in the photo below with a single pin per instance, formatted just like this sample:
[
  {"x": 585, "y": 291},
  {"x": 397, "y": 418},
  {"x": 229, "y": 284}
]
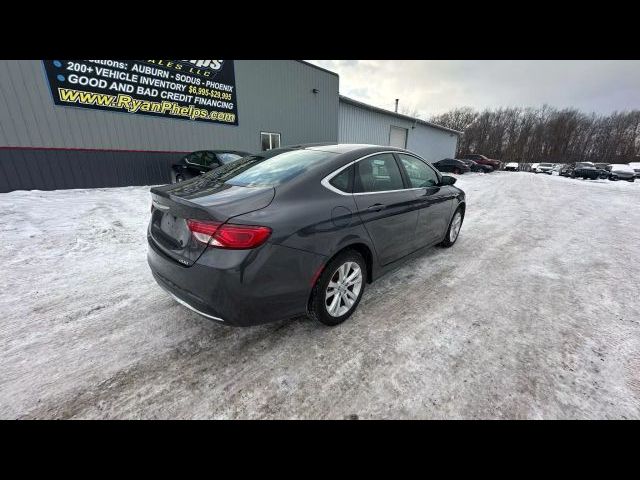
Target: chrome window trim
[{"x": 325, "y": 181}]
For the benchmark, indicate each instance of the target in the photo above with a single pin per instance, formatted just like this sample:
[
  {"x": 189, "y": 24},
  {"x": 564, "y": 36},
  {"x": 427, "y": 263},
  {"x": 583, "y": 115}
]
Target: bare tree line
[{"x": 546, "y": 134}]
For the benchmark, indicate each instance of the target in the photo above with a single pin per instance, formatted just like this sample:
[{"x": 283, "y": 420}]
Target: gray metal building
[
  {"x": 49, "y": 146},
  {"x": 363, "y": 123},
  {"x": 45, "y": 146}
]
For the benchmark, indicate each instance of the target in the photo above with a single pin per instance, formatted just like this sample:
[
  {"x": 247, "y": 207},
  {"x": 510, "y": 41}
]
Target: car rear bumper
[{"x": 240, "y": 287}]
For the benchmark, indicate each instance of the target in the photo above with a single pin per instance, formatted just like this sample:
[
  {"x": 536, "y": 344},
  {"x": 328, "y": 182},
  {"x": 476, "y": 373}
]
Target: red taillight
[
  {"x": 240, "y": 236},
  {"x": 202, "y": 231},
  {"x": 227, "y": 235}
]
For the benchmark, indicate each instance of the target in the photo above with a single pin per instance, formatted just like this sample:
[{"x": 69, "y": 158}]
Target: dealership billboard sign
[{"x": 200, "y": 90}]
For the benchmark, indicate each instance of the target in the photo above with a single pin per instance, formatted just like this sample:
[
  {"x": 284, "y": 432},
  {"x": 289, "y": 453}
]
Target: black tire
[
  {"x": 318, "y": 309},
  {"x": 456, "y": 171},
  {"x": 446, "y": 243}
]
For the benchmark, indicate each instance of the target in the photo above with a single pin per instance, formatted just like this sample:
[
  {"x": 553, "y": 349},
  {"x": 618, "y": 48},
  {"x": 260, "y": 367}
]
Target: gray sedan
[{"x": 298, "y": 230}]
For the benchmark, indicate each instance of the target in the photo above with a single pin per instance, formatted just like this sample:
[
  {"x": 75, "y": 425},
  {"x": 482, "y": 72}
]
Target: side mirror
[{"x": 447, "y": 180}]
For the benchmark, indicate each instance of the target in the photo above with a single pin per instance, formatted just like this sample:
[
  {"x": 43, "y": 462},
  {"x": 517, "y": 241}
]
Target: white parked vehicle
[
  {"x": 543, "y": 168},
  {"x": 533, "y": 167},
  {"x": 513, "y": 166}
]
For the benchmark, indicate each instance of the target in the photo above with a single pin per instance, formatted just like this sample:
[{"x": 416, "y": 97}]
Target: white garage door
[{"x": 398, "y": 137}]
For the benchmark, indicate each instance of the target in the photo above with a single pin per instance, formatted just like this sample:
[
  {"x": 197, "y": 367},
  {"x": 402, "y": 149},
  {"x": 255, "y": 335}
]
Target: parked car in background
[
  {"x": 588, "y": 171},
  {"x": 477, "y": 167},
  {"x": 533, "y": 166},
  {"x": 565, "y": 170},
  {"x": 621, "y": 171},
  {"x": 201, "y": 161},
  {"x": 543, "y": 168},
  {"x": 512, "y": 166},
  {"x": 452, "y": 165},
  {"x": 557, "y": 168},
  {"x": 481, "y": 159},
  {"x": 297, "y": 231},
  {"x": 636, "y": 168}
]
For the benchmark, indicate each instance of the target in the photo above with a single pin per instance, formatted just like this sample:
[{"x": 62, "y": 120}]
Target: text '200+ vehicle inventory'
[{"x": 298, "y": 230}]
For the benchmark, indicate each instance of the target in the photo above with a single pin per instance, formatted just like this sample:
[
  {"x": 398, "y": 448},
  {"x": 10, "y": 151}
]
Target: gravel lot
[{"x": 534, "y": 313}]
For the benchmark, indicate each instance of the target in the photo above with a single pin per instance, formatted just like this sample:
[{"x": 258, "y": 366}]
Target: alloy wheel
[
  {"x": 343, "y": 289},
  {"x": 456, "y": 223}
]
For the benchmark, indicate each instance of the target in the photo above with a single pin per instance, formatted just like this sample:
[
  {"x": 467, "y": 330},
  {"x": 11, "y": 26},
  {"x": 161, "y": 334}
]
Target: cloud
[{"x": 435, "y": 86}]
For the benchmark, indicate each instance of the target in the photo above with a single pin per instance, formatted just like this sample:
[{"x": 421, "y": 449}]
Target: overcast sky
[{"x": 435, "y": 86}]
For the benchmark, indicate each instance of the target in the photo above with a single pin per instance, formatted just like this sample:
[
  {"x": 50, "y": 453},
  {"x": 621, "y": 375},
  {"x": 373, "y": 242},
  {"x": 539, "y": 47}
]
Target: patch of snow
[{"x": 534, "y": 313}]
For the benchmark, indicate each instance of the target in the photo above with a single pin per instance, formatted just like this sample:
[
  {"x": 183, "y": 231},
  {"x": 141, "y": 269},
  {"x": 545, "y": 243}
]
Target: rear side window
[
  {"x": 378, "y": 174},
  {"x": 344, "y": 180}
]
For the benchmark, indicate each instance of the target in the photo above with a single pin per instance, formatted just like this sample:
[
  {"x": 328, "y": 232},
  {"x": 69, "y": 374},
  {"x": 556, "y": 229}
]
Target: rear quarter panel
[{"x": 318, "y": 222}]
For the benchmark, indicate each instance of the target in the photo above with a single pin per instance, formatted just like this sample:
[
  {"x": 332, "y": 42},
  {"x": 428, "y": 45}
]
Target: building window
[{"x": 269, "y": 140}]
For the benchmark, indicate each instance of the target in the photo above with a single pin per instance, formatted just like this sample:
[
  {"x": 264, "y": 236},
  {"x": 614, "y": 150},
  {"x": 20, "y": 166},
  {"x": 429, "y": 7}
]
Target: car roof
[
  {"x": 347, "y": 147},
  {"x": 343, "y": 153},
  {"x": 341, "y": 149}
]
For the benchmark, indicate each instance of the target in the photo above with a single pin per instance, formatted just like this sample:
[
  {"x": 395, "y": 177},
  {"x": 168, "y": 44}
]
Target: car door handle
[{"x": 376, "y": 207}]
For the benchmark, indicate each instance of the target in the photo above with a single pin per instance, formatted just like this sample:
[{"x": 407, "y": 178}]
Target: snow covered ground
[{"x": 534, "y": 313}]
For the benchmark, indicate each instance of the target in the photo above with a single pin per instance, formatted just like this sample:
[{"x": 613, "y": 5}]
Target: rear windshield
[
  {"x": 269, "y": 171},
  {"x": 546, "y": 165}
]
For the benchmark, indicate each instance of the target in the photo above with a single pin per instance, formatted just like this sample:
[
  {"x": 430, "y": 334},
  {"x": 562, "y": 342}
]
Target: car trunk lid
[{"x": 173, "y": 205}]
